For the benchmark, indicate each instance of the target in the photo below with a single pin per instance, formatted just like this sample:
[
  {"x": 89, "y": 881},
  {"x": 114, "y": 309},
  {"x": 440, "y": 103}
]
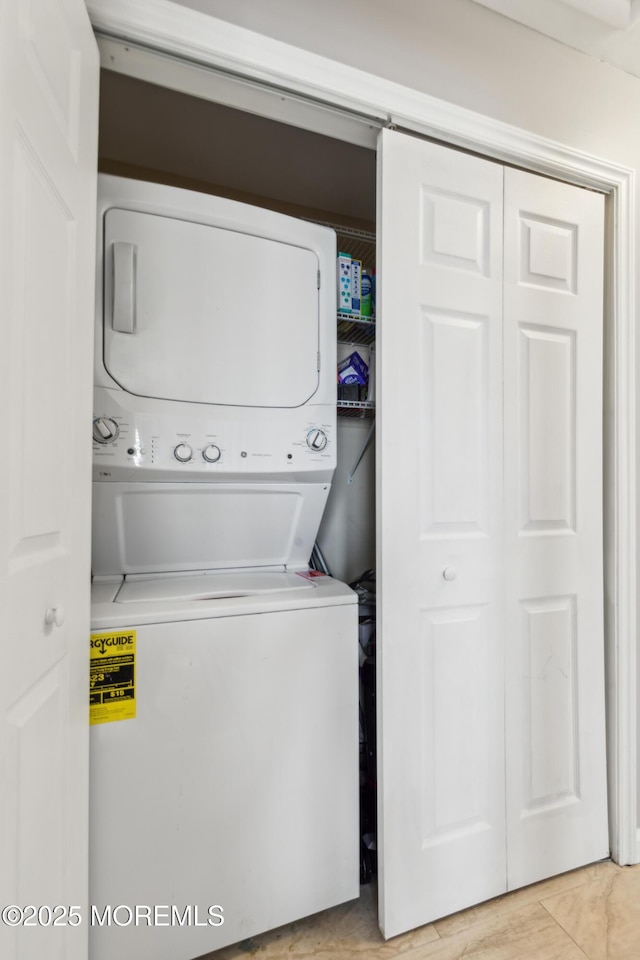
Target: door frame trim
[{"x": 173, "y": 33}]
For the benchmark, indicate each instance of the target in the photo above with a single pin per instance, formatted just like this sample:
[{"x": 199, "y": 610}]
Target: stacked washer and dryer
[{"x": 235, "y": 785}]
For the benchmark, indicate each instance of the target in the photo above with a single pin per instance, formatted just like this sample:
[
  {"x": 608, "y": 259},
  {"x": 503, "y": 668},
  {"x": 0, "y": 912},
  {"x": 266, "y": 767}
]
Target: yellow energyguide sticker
[{"x": 112, "y": 693}]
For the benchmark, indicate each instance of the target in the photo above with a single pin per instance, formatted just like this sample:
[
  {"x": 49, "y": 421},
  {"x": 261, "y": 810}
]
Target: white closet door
[
  {"x": 555, "y": 720},
  {"x": 49, "y": 71},
  {"x": 441, "y": 717}
]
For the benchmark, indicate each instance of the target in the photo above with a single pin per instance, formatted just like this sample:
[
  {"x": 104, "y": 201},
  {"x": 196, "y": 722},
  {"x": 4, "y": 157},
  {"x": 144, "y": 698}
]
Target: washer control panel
[{"x": 128, "y": 446}]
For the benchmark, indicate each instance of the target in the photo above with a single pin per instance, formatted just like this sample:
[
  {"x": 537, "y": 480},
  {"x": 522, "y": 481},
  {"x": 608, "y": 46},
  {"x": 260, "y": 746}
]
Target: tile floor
[{"x": 593, "y": 913}]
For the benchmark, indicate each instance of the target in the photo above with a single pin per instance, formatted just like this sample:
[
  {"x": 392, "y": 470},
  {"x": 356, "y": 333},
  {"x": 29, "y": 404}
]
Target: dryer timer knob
[
  {"x": 105, "y": 430},
  {"x": 317, "y": 439}
]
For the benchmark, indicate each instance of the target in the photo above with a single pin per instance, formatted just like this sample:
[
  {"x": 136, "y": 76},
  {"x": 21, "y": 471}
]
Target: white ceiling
[{"x": 606, "y": 29}]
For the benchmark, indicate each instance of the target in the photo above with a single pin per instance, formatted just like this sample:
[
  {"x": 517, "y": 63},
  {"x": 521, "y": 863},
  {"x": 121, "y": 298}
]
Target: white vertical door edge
[
  {"x": 620, "y": 520},
  {"x": 49, "y": 73}
]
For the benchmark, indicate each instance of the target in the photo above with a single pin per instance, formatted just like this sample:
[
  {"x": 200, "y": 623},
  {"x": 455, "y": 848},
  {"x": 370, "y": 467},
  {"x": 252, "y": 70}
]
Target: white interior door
[
  {"x": 441, "y": 693},
  {"x": 490, "y": 527},
  {"x": 48, "y": 145},
  {"x": 555, "y": 732}
]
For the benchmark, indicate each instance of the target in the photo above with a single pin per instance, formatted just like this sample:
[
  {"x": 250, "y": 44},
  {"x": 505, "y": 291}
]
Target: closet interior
[{"x": 149, "y": 132}]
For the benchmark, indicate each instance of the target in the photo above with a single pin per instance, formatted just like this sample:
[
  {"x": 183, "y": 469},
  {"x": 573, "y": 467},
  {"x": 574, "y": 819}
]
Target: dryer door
[{"x": 201, "y": 313}]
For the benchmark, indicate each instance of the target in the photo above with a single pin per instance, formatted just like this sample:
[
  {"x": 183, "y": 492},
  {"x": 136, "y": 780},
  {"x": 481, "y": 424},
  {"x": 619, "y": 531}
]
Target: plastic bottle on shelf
[
  {"x": 373, "y": 292},
  {"x": 365, "y": 296}
]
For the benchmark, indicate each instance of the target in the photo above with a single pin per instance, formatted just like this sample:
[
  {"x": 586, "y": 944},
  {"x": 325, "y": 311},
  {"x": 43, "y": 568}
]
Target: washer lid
[
  {"x": 167, "y": 528},
  {"x": 211, "y": 586},
  {"x": 207, "y": 314}
]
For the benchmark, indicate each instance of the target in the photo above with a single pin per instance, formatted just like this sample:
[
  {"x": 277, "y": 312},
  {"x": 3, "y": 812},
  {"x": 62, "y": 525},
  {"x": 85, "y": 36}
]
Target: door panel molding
[{"x": 170, "y": 31}]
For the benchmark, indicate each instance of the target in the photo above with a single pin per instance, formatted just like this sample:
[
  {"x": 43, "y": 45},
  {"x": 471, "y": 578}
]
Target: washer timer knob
[
  {"x": 183, "y": 452},
  {"x": 105, "y": 430},
  {"x": 211, "y": 453},
  {"x": 317, "y": 439}
]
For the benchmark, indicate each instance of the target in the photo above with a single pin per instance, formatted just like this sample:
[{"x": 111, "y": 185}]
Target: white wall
[{"x": 463, "y": 53}]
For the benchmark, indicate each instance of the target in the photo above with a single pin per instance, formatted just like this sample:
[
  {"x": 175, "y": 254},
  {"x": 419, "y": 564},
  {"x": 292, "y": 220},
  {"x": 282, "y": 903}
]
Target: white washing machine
[{"x": 224, "y": 748}]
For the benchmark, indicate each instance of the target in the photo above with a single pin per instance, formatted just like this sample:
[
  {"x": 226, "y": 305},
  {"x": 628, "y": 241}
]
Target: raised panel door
[
  {"x": 555, "y": 728},
  {"x": 440, "y": 727}
]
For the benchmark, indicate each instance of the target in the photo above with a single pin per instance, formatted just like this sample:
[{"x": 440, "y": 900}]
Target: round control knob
[
  {"x": 183, "y": 452},
  {"x": 211, "y": 453},
  {"x": 105, "y": 430},
  {"x": 449, "y": 573},
  {"x": 317, "y": 439}
]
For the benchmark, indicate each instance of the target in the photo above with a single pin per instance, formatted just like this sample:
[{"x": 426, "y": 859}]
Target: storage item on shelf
[
  {"x": 356, "y": 286},
  {"x": 371, "y": 385},
  {"x": 365, "y": 294},
  {"x": 344, "y": 283},
  {"x": 353, "y": 369},
  {"x": 353, "y": 378}
]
